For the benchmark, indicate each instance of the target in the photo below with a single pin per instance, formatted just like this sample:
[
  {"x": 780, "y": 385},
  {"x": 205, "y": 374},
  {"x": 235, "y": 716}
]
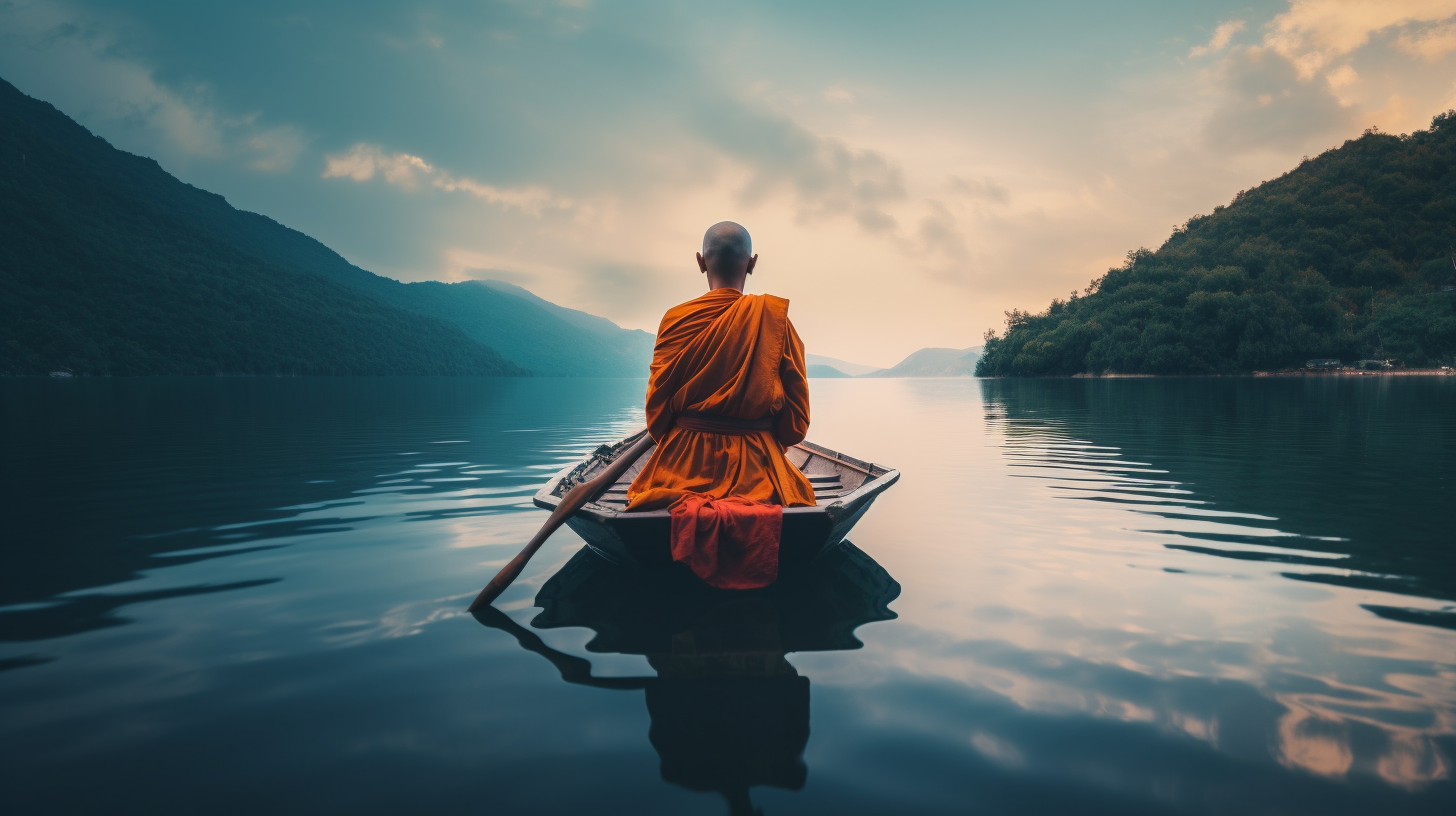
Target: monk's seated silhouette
[
  {"x": 727, "y": 394},
  {"x": 728, "y": 711}
]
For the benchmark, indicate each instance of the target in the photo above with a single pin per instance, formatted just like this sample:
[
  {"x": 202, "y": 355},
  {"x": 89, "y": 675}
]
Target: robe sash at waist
[{"x": 720, "y": 424}]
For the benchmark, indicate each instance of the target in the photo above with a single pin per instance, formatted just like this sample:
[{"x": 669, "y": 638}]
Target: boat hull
[
  {"x": 644, "y": 542},
  {"x": 845, "y": 488}
]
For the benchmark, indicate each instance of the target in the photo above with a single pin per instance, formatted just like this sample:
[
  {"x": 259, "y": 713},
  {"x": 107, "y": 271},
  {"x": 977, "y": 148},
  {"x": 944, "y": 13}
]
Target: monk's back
[
  {"x": 721, "y": 354},
  {"x": 727, "y": 394}
]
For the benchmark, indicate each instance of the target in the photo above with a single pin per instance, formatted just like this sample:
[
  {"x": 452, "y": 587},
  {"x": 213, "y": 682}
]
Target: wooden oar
[{"x": 573, "y": 501}]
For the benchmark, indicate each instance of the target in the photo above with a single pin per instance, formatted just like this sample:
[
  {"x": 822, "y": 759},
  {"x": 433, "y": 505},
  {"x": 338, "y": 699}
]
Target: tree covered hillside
[
  {"x": 98, "y": 277},
  {"x": 109, "y": 265},
  {"x": 1350, "y": 255}
]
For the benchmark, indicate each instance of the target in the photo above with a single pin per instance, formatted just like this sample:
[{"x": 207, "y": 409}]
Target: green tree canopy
[{"x": 1350, "y": 255}]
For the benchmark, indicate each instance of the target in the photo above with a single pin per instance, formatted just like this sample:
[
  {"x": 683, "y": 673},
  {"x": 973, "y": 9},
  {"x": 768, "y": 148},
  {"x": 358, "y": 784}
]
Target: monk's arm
[
  {"x": 659, "y": 390},
  {"x": 793, "y": 421}
]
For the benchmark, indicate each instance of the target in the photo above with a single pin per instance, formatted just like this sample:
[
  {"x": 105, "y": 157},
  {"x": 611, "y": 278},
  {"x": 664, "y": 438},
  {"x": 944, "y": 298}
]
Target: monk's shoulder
[
  {"x": 705, "y": 306},
  {"x": 772, "y": 303},
  {"x": 674, "y": 316}
]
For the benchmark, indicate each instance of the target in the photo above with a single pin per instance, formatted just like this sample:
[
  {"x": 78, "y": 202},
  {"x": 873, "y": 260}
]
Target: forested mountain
[
  {"x": 102, "y": 272},
  {"x": 529, "y": 330},
  {"x": 634, "y": 340},
  {"x": 1350, "y": 255},
  {"x": 111, "y": 266}
]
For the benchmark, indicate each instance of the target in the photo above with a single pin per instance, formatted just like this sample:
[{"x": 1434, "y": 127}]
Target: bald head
[{"x": 726, "y": 247}]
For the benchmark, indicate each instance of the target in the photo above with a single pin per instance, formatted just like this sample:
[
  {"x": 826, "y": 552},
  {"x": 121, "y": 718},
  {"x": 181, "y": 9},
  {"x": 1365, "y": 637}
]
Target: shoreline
[
  {"x": 1293, "y": 372},
  {"x": 1394, "y": 372}
]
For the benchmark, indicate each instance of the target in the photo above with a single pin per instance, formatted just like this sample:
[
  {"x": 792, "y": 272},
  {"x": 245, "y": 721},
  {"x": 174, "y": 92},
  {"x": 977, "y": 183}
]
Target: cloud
[
  {"x": 1266, "y": 97},
  {"x": 940, "y": 234},
  {"x": 1221, "y": 37},
  {"x": 1265, "y": 105},
  {"x": 584, "y": 151},
  {"x": 277, "y": 148},
  {"x": 1431, "y": 43},
  {"x": 828, "y": 177},
  {"x": 363, "y": 161},
  {"x": 72, "y": 61},
  {"x": 1314, "y": 33},
  {"x": 1342, "y": 76},
  {"x": 980, "y": 188}
]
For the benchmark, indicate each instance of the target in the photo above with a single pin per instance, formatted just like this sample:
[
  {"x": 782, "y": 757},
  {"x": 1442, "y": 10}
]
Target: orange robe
[{"x": 734, "y": 355}]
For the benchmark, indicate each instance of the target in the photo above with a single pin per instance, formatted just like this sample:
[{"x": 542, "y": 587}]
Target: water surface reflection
[
  {"x": 1201, "y": 596},
  {"x": 728, "y": 711},
  {"x": 1230, "y": 465}
]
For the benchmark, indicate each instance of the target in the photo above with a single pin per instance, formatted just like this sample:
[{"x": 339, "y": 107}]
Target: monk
[{"x": 727, "y": 395}]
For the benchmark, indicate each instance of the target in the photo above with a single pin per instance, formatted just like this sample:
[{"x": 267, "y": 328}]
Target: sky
[{"x": 909, "y": 171}]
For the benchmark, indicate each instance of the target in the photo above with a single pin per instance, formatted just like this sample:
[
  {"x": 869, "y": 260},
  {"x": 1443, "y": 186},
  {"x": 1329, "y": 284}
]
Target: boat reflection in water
[{"x": 728, "y": 710}]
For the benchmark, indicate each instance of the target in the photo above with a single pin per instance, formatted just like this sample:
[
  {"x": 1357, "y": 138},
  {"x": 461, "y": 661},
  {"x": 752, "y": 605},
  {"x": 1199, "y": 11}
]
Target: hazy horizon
[{"x": 908, "y": 172}]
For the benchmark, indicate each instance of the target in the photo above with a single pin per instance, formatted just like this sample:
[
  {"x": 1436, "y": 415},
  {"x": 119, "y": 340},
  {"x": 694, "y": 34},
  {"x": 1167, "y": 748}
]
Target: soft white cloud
[
  {"x": 1315, "y": 33},
  {"x": 363, "y": 161},
  {"x": 838, "y": 95},
  {"x": 531, "y": 198},
  {"x": 1342, "y": 76},
  {"x": 1220, "y": 40},
  {"x": 1262, "y": 104},
  {"x": 1264, "y": 97}
]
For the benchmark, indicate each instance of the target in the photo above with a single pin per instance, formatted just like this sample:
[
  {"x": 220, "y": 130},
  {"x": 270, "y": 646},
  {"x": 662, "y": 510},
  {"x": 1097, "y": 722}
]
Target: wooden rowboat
[{"x": 844, "y": 487}]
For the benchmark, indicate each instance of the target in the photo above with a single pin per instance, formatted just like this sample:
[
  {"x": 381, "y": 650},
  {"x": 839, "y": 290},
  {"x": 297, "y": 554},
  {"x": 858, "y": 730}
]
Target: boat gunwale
[{"x": 873, "y": 485}]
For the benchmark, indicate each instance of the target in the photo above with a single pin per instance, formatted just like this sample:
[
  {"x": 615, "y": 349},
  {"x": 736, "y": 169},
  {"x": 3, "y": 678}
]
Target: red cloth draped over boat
[
  {"x": 736, "y": 357},
  {"x": 730, "y": 543}
]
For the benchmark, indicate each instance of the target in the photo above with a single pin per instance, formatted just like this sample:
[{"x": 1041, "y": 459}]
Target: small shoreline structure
[
  {"x": 1364, "y": 368},
  {"x": 1343, "y": 371},
  {"x": 1355, "y": 371}
]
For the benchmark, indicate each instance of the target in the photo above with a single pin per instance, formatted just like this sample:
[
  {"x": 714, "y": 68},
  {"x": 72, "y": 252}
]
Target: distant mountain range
[
  {"x": 927, "y": 362},
  {"x": 110, "y": 265},
  {"x": 841, "y": 368},
  {"x": 935, "y": 362}
]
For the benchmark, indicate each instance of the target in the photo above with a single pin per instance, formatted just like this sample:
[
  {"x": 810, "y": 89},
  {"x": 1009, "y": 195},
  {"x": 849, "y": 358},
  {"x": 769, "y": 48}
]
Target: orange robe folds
[{"x": 736, "y": 356}]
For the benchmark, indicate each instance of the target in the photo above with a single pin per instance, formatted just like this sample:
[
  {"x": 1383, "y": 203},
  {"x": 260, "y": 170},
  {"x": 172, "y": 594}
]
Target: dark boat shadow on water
[{"x": 729, "y": 712}]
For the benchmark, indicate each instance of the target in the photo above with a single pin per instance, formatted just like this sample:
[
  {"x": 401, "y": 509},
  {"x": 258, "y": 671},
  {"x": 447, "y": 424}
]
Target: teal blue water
[{"x": 1111, "y": 596}]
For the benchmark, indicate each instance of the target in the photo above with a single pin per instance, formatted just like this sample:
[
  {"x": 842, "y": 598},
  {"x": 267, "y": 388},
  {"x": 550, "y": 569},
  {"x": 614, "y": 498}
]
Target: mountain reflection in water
[
  {"x": 1338, "y": 482},
  {"x": 728, "y": 711},
  {"x": 1352, "y": 480}
]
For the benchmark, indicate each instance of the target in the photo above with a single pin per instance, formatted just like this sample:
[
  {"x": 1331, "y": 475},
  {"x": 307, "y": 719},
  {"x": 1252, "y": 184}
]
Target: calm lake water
[{"x": 1125, "y": 596}]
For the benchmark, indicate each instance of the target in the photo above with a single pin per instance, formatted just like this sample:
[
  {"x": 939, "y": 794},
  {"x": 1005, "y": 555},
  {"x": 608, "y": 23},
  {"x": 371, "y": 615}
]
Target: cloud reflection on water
[
  {"x": 1352, "y": 697},
  {"x": 1138, "y": 648}
]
